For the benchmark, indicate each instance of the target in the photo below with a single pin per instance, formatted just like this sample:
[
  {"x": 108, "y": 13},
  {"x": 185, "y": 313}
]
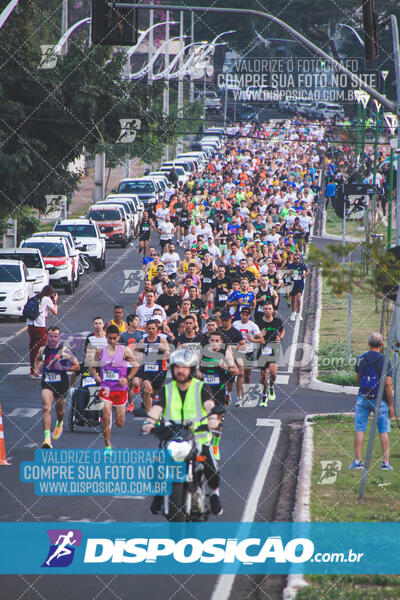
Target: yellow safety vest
[{"x": 191, "y": 410}]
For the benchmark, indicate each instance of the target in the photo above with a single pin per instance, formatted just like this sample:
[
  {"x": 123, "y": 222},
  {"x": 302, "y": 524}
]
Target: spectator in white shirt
[{"x": 37, "y": 328}]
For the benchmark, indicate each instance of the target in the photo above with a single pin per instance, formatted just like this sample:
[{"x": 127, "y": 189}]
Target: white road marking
[
  {"x": 21, "y": 371},
  {"x": 225, "y": 583},
  {"x": 24, "y": 412}
]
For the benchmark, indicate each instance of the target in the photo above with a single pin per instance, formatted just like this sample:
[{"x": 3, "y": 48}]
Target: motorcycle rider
[{"x": 186, "y": 397}]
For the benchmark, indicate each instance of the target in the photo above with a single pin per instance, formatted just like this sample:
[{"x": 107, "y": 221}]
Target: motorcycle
[{"x": 187, "y": 501}]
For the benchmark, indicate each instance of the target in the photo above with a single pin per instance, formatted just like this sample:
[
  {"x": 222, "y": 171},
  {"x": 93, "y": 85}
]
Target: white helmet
[{"x": 184, "y": 357}]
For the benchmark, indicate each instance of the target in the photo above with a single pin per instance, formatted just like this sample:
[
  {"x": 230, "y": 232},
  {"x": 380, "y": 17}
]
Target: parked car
[
  {"x": 33, "y": 261},
  {"x": 110, "y": 222},
  {"x": 183, "y": 175},
  {"x": 16, "y": 286},
  {"x": 57, "y": 258},
  {"x": 127, "y": 216},
  {"x": 74, "y": 251},
  {"x": 87, "y": 234},
  {"x": 129, "y": 206},
  {"x": 144, "y": 187}
]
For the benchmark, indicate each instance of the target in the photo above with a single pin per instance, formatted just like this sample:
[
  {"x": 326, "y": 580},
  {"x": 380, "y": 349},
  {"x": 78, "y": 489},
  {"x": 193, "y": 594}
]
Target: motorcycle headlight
[
  {"x": 91, "y": 247},
  {"x": 117, "y": 228},
  {"x": 179, "y": 450},
  {"x": 19, "y": 295},
  {"x": 60, "y": 267}
]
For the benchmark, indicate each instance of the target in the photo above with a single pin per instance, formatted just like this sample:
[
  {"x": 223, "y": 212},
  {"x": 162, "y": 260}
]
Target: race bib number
[
  {"x": 86, "y": 381},
  {"x": 223, "y": 297},
  {"x": 296, "y": 276},
  {"x": 151, "y": 368},
  {"x": 52, "y": 377},
  {"x": 267, "y": 351},
  {"x": 111, "y": 375},
  {"x": 211, "y": 379},
  {"x": 206, "y": 280}
]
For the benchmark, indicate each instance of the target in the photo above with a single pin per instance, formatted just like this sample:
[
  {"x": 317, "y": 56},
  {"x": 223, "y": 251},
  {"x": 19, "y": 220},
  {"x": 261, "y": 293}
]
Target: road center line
[{"x": 225, "y": 583}]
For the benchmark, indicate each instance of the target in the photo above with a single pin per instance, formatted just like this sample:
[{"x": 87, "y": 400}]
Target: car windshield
[
  {"x": 78, "y": 230},
  {"x": 47, "y": 248},
  {"x": 31, "y": 261},
  {"x": 136, "y": 187},
  {"x": 105, "y": 215},
  {"x": 10, "y": 274}
]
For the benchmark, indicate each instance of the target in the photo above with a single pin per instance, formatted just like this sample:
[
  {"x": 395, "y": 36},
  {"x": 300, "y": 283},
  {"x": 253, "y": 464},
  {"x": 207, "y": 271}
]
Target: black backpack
[
  {"x": 31, "y": 309},
  {"x": 369, "y": 378}
]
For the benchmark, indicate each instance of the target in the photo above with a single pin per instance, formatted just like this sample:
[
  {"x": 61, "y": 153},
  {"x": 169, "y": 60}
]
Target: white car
[
  {"x": 33, "y": 260},
  {"x": 15, "y": 287},
  {"x": 73, "y": 250},
  {"x": 183, "y": 176},
  {"x": 134, "y": 198},
  {"x": 57, "y": 258},
  {"x": 87, "y": 235}
]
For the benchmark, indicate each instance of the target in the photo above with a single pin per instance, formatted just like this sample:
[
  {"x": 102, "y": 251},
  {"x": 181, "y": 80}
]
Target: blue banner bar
[{"x": 199, "y": 548}]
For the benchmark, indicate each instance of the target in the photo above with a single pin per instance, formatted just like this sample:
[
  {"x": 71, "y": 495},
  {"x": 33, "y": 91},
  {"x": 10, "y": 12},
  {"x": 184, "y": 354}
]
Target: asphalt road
[{"x": 250, "y": 434}]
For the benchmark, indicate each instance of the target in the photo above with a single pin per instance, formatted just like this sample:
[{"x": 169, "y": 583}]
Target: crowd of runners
[{"x": 221, "y": 254}]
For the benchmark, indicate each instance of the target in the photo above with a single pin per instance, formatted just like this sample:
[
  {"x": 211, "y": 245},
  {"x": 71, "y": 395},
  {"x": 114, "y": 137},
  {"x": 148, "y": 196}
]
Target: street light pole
[
  {"x": 179, "y": 145},
  {"x": 377, "y": 123},
  {"x": 191, "y": 85},
  {"x": 64, "y": 23},
  {"x": 151, "y": 47},
  {"x": 166, "y": 83}
]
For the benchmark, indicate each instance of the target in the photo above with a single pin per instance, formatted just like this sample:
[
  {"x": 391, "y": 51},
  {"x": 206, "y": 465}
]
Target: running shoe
[
  {"x": 239, "y": 401},
  {"x": 47, "y": 443},
  {"x": 272, "y": 395},
  {"x": 58, "y": 431},
  {"x": 264, "y": 400},
  {"x": 386, "y": 466},
  {"x": 299, "y": 317},
  {"x": 293, "y": 316},
  {"x": 215, "y": 505},
  {"x": 107, "y": 450},
  {"x": 356, "y": 465},
  {"x": 130, "y": 408}
]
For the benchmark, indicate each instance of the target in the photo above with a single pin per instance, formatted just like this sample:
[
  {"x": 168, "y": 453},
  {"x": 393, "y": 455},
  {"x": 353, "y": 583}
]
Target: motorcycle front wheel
[{"x": 177, "y": 503}]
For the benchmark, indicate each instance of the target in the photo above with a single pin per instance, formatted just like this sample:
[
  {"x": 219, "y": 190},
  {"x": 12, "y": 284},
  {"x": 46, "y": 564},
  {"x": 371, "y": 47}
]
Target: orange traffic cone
[{"x": 3, "y": 459}]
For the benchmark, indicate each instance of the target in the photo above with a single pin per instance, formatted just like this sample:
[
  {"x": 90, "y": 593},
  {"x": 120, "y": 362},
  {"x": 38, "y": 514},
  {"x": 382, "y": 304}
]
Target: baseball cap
[
  {"x": 246, "y": 309},
  {"x": 225, "y": 314}
]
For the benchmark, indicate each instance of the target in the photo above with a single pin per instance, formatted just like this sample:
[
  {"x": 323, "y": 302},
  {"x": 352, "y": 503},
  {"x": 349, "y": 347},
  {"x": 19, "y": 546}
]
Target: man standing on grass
[{"x": 368, "y": 373}]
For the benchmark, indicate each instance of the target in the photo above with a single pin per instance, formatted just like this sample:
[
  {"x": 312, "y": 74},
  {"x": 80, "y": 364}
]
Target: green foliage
[
  {"x": 383, "y": 269},
  {"x": 49, "y": 116}
]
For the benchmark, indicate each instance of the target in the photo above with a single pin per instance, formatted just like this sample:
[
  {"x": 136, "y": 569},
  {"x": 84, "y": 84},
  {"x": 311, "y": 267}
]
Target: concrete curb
[
  {"x": 332, "y": 236},
  {"x": 301, "y": 512},
  {"x": 311, "y": 380}
]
